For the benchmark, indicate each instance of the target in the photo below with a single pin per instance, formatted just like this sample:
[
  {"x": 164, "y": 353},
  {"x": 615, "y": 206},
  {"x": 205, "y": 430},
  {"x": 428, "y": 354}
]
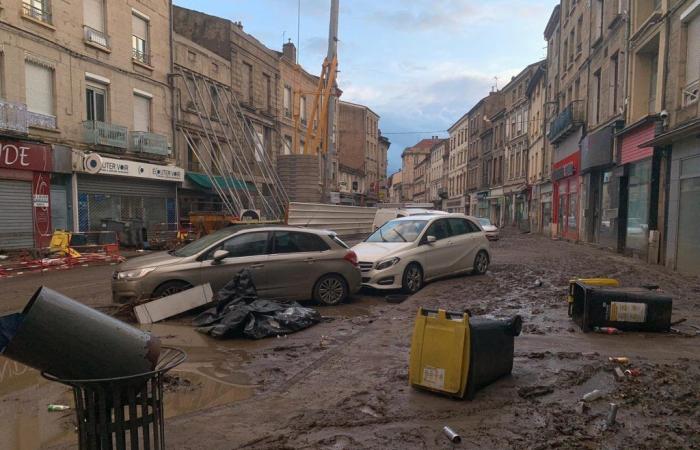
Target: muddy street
[{"x": 344, "y": 383}]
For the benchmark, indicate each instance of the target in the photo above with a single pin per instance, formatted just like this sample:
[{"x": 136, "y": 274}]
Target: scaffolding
[{"x": 230, "y": 152}]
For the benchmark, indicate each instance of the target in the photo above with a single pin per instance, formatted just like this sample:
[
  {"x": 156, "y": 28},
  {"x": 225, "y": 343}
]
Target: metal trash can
[
  {"x": 72, "y": 340},
  {"x": 123, "y": 413}
]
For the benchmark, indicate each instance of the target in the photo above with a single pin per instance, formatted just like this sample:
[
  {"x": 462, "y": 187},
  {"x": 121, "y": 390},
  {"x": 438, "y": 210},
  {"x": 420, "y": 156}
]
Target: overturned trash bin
[
  {"x": 456, "y": 355},
  {"x": 63, "y": 337},
  {"x": 626, "y": 309},
  {"x": 125, "y": 412}
]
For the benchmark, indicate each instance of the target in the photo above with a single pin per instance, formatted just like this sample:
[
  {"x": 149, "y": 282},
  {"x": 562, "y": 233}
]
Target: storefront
[
  {"x": 482, "y": 204},
  {"x": 496, "y": 205},
  {"x": 683, "y": 243},
  {"x": 565, "y": 176},
  {"x": 455, "y": 205},
  {"x": 122, "y": 190},
  {"x": 546, "y": 209},
  {"x": 25, "y": 194},
  {"x": 638, "y": 203}
]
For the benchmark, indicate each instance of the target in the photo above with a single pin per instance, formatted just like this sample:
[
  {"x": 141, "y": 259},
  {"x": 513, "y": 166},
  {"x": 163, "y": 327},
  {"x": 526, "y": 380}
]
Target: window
[
  {"x": 287, "y": 101},
  {"x": 214, "y": 94},
  {"x": 692, "y": 67},
  {"x": 615, "y": 81},
  {"x": 192, "y": 159},
  {"x": 598, "y": 15},
  {"x": 96, "y": 103},
  {"x": 287, "y": 142},
  {"x": 440, "y": 229},
  {"x": 459, "y": 226},
  {"x": 142, "y": 113},
  {"x": 653, "y": 77},
  {"x": 39, "y": 92},
  {"x": 302, "y": 109},
  {"x": 579, "y": 29},
  {"x": 139, "y": 39},
  {"x": 249, "y": 244},
  {"x": 94, "y": 18},
  {"x": 596, "y": 96},
  {"x": 247, "y": 83},
  {"x": 295, "y": 242},
  {"x": 37, "y": 9},
  {"x": 267, "y": 100}
]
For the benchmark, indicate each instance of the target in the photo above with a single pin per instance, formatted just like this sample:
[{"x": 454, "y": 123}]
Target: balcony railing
[
  {"x": 13, "y": 117},
  {"x": 95, "y": 36},
  {"x": 142, "y": 57},
  {"x": 105, "y": 134},
  {"x": 41, "y": 120},
  {"x": 567, "y": 121},
  {"x": 149, "y": 144},
  {"x": 42, "y": 14},
  {"x": 691, "y": 93}
]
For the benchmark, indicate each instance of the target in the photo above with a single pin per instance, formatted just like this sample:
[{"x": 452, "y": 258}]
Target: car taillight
[{"x": 351, "y": 257}]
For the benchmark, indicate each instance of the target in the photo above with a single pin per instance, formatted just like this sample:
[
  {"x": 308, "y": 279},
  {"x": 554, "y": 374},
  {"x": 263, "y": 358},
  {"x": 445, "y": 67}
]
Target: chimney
[{"x": 290, "y": 51}]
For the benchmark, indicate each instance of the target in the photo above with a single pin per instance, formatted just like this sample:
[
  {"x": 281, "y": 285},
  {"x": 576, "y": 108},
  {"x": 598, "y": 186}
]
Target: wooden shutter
[
  {"x": 39, "y": 89},
  {"x": 142, "y": 113}
]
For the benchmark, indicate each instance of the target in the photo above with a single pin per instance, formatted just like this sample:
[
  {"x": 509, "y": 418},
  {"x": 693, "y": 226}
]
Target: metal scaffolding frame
[{"x": 235, "y": 150}]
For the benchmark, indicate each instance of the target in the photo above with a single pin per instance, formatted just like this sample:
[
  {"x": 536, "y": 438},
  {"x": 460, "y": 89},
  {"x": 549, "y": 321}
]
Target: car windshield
[
  {"x": 484, "y": 222},
  {"x": 202, "y": 244},
  {"x": 398, "y": 231}
]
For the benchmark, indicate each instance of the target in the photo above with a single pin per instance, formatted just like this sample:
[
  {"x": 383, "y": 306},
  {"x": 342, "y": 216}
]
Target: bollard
[{"x": 73, "y": 341}]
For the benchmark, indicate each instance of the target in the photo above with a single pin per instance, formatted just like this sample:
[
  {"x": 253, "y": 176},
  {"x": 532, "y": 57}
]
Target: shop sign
[
  {"x": 563, "y": 172},
  {"x": 25, "y": 156},
  {"x": 121, "y": 167},
  {"x": 41, "y": 191},
  {"x": 482, "y": 195}
]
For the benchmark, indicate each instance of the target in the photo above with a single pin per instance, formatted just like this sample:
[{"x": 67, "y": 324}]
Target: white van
[{"x": 384, "y": 215}]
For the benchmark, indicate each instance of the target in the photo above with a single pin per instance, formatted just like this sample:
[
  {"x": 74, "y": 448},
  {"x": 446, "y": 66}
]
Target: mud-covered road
[{"x": 344, "y": 383}]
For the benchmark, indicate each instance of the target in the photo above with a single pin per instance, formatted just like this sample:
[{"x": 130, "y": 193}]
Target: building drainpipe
[
  {"x": 173, "y": 110},
  {"x": 74, "y": 200}
]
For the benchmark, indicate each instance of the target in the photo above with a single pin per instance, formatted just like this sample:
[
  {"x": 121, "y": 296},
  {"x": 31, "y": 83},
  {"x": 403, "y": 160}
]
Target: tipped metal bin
[{"x": 73, "y": 341}]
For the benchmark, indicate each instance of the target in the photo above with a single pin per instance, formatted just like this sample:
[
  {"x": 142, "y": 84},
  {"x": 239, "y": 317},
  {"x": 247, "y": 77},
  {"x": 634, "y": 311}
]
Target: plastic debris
[
  {"x": 581, "y": 407},
  {"x": 633, "y": 372},
  {"x": 612, "y": 415},
  {"x": 58, "y": 408},
  {"x": 619, "y": 359},
  {"x": 607, "y": 330},
  {"x": 593, "y": 395},
  {"x": 619, "y": 374}
]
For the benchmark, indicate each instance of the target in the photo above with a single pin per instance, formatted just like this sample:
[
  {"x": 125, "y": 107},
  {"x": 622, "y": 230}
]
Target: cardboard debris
[{"x": 173, "y": 305}]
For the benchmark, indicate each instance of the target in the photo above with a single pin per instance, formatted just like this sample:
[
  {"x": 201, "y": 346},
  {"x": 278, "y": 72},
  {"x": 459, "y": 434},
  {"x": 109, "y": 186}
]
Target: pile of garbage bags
[{"x": 239, "y": 312}]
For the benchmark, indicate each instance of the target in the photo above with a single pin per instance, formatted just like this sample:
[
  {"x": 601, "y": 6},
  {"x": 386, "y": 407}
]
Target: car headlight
[
  {"x": 381, "y": 265},
  {"x": 134, "y": 274}
]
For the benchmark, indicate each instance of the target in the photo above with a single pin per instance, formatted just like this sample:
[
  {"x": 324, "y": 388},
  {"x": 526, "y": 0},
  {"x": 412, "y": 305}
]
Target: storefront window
[
  {"x": 573, "y": 206},
  {"x": 638, "y": 206},
  {"x": 610, "y": 195}
]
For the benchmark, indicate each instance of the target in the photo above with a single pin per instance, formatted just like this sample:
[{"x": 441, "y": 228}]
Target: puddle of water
[{"x": 358, "y": 307}]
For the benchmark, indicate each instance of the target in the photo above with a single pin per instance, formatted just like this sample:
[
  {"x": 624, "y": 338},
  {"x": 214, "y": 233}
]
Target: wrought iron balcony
[
  {"x": 41, "y": 13},
  {"x": 568, "y": 121},
  {"x": 41, "y": 120},
  {"x": 149, "y": 144},
  {"x": 13, "y": 117},
  {"x": 96, "y": 37},
  {"x": 105, "y": 134},
  {"x": 142, "y": 57}
]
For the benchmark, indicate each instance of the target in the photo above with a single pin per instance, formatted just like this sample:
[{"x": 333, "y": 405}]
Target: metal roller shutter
[
  {"x": 16, "y": 222},
  {"x": 124, "y": 186},
  {"x": 59, "y": 210}
]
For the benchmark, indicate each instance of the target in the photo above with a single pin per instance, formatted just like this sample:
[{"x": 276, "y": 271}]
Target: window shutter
[
  {"x": 93, "y": 13},
  {"x": 692, "y": 71},
  {"x": 139, "y": 27},
  {"x": 39, "y": 89},
  {"x": 142, "y": 113}
]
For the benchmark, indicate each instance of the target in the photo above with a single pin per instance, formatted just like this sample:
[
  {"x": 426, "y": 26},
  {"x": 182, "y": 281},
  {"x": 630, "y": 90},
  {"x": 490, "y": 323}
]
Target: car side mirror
[
  {"x": 430, "y": 240},
  {"x": 219, "y": 255}
]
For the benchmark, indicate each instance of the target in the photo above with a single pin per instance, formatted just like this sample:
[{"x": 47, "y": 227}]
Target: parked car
[
  {"x": 286, "y": 263},
  {"x": 407, "y": 252},
  {"x": 384, "y": 215},
  {"x": 490, "y": 229}
]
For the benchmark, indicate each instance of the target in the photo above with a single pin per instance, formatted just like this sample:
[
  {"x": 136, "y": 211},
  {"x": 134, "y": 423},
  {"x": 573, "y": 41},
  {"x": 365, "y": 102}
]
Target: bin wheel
[
  {"x": 481, "y": 263},
  {"x": 412, "y": 279},
  {"x": 331, "y": 290},
  {"x": 170, "y": 288}
]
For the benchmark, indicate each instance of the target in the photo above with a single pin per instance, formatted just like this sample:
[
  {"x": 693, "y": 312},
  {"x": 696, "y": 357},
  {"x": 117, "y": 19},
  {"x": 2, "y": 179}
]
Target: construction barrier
[{"x": 347, "y": 221}]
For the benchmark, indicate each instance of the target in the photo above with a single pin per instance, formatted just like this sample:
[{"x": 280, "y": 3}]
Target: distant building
[
  {"x": 436, "y": 183},
  {"x": 410, "y": 158}
]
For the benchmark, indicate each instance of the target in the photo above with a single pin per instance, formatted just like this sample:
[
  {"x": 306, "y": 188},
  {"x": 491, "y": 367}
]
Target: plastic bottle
[{"x": 58, "y": 408}]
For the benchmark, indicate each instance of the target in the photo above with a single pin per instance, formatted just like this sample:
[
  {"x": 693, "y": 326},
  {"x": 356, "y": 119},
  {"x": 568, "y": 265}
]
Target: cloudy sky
[{"x": 419, "y": 64}]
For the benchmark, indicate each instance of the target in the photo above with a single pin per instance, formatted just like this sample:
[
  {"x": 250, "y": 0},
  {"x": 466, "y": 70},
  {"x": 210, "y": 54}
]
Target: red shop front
[
  {"x": 25, "y": 191},
  {"x": 565, "y": 175}
]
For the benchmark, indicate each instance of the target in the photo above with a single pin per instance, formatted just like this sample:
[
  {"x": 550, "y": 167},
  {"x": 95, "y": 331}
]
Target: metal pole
[{"x": 332, "y": 55}]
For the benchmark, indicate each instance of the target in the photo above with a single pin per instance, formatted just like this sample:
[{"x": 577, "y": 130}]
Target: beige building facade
[
  {"x": 82, "y": 78},
  {"x": 457, "y": 165}
]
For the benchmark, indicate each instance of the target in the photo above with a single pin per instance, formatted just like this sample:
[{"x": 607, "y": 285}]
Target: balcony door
[{"x": 96, "y": 103}]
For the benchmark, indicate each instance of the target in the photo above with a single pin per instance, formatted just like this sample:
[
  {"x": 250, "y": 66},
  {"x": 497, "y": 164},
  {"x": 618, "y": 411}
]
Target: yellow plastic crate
[{"x": 440, "y": 352}]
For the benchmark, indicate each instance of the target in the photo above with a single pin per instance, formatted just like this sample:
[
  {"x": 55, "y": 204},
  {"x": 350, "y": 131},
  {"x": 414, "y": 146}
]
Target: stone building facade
[
  {"x": 82, "y": 78},
  {"x": 457, "y": 163}
]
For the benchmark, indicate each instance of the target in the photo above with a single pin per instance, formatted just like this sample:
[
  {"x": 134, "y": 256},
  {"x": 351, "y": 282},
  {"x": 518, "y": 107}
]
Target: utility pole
[{"x": 332, "y": 56}]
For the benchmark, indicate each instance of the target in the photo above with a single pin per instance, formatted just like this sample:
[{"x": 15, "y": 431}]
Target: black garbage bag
[
  {"x": 239, "y": 312},
  {"x": 8, "y": 328}
]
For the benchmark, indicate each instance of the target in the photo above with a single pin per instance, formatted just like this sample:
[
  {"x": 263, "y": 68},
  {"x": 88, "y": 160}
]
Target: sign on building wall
[
  {"x": 121, "y": 167},
  {"x": 25, "y": 156},
  {"x": 41, "y": 208}
]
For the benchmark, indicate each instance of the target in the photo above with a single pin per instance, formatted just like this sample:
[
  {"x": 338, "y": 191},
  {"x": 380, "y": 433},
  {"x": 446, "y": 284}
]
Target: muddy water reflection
[{"x": 211, "y": 376}]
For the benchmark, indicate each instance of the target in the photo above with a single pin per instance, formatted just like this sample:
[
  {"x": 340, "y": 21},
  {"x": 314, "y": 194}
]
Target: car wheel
[
  {"x": 331, "y": 290},
  {"x": 481, "y": 263},
  {"x": 412, "y": 279},
  {"x": 170, "y": 288}
]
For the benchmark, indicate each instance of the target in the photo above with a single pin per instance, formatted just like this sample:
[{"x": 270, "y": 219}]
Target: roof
[
  {"x": 459, "y": 122},
  {"x": 357, "y": 105},
  {"x": 539, "y": 73},
  {"x": 552, "y": 22},
  {"x": 425, "y": 144}
]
